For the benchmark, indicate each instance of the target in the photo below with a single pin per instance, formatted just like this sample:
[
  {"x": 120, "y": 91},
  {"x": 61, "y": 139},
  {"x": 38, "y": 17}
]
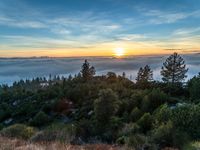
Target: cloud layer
[{"x": 16, "y": 69}]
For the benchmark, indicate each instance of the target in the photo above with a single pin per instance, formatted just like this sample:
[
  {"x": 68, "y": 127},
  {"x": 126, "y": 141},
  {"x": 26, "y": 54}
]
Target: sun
[{"x": 119, "y": 51}]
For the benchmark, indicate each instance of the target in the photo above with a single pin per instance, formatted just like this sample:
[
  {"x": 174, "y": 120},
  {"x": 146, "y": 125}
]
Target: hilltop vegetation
[{"x": 145, "y": 114}]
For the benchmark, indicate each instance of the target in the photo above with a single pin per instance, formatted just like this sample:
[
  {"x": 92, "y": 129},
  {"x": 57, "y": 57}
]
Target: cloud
[
  {"x": 167, "y": 17},
  {"x": 159, "y": 17},
  {"x": 16, "y": 69},
  {"x": 131, "y": 37},
  {"x": 186, "y": 31},
  {"x": 7, "y": 21}
]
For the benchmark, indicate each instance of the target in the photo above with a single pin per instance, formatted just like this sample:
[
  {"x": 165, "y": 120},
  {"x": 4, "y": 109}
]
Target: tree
[
  {"x": 174, "y": 69},
  {"x": 105, "y": 107},
  {"x": 144, "y": 76},
  {"x": 124, "y": 75},
  {"x": 194, "y": 88},
  {"x": 87, "y": 71}
]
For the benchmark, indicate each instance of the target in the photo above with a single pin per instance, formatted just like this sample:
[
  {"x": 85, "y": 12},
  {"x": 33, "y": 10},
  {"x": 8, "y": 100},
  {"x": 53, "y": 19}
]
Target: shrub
[
  {"x": 111, "y": 132},
  {"x": 5, "y": 111},
  {"x": 105, "y": 107},
  {"x": 186, "y": 118},
  {"x": 136, "y": 141},
  {"x": 121, "y": 140},
  {"x": 129, "y": 129},
  {"x": 145, "y": 122},
  {"x": 166, "y": 135},
  {"x": 40, "y": 119},
  {"x": 157, "y": 98},
  {"x": 85, "y": 128},
  {"x": 56, "y": 132},
  {"x": 135, "y": 114},
  {"x": 162, "y": 114},
  {"x": 194, "y": 88},
  {"x": 1, "y": 126},
  {"x": 18, "y": 131},
  {"x": 146, "y": 104}
]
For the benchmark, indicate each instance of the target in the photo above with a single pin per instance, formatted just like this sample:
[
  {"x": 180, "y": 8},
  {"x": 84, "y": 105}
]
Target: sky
[{"x": 70, "y": 28}]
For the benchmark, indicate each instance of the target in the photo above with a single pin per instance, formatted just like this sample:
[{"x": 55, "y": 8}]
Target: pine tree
[
  {"x": 124, "y": 75},
  {"x": 139, "y": 75},
  {"x": 105, "y": 107},
  {"x": 87, "y": 71},
  {"x": 174, "y": 69},
  {"x": 144, "y": 74}
]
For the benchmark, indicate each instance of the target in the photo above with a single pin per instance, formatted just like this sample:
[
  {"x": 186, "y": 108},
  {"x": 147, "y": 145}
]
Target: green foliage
[
  {"x": 162, "y": 114},
  {"x": 153, "y": 100},
  {"x": 40, "y": 119},
  {"x": 18, "y": 131},
  {"x": 145, "y": 122},
  {"x": 108, "y": 108},
  {"x": 1, "y": 126},
  {"x": 136, "y": 141},
  {"x": 166, "y": 135},
  {"x": 194, "y": 88},
  {"x": 105, "y": 107},
  {"x": 174, "y": 69},
  {"x": 85, "y": 128},
  {"x": 87, "y": 71},
  {"x": 157, "y": 98},
  {"x": 56, "y": 132},
  {"x": 144, "y": 77},
  {"x": 135, "y": 114},
  {"x": 186, "y": 118},
  {"x": 129, "y": 129},
  {"x": 5, "y": 111}
]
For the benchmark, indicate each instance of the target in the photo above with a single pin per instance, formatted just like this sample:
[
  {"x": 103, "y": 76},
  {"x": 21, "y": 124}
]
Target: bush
[
  {"x": 40, "y": 119},
  {"x": 194, "y": 88},
  {"x": 162, "y": 114},
  {"x": 5, "y": 111},
  {"x": 167, "y": 136},
  {"x": 1, "y": 126},
  {"x": 145, "y": 122},
  {"x": 56, "y": 132},
  {"x": 135, "y": 114},
  {"x": 186, "y": 118},
  {"x": 105, "y": 107},
  {"x": 129, "y": 129},
  {"x": 85, "y": 128},
  {"x": 18, "y": 131},
  {"x": 136, "y": 141},
  {"x": 111, "y": 132},
  {"x": 157, "y": 98}
]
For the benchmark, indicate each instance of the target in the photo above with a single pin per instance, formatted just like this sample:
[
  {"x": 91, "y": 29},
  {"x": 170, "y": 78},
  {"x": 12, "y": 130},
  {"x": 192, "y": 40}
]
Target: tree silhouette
[
  {"x": 87, "y": 71},
  {"x": 174, "y": 69},
  {"x": 144, "y": 76}
]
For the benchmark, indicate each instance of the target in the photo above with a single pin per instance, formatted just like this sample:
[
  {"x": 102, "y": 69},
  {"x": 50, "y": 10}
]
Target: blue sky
[{"x": 97, "y": 27}]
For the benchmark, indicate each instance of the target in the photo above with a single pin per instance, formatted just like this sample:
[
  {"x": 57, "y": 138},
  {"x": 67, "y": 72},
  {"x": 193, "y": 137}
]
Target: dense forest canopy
[{"x": 109, "y": 108}]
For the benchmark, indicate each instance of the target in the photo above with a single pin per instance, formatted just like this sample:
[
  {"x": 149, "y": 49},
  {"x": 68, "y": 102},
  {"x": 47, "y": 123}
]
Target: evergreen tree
[
  {"x": 174, "y": 69},
  {"x": 144, "y": 76},
  {"x": 87, "y": 71},
  {"x": 124, "y": 75},
  {"x": 105, "y": 107},
  {"x": 194, "y": 88}
]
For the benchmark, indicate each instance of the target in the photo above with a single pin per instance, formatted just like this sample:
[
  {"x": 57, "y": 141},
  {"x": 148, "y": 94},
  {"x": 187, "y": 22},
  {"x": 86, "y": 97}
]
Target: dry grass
[{"x": 15, "y": 144}]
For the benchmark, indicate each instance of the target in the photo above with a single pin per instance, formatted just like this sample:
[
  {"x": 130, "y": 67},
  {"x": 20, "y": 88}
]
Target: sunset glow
[
  {"x": 77, "y": 28},
  {"x": 119, "y": 52}
]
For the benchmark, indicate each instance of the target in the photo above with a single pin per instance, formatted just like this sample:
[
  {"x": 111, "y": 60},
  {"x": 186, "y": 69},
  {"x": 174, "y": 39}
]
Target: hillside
[{"x": 105, "y": 112}]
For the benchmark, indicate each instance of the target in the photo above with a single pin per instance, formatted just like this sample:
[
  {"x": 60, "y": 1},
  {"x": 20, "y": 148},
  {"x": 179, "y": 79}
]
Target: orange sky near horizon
[{"x": 105, "y": 49}]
